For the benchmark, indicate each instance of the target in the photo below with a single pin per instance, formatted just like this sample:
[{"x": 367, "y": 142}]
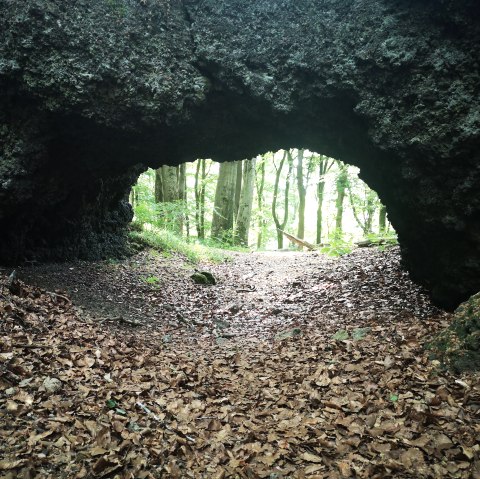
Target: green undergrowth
[
  {"x": 340, "y": 244},
  {"x": 169, "y": 244}
]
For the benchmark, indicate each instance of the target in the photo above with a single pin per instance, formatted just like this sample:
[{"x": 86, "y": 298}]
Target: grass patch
[{"x": 169, "y": 244}]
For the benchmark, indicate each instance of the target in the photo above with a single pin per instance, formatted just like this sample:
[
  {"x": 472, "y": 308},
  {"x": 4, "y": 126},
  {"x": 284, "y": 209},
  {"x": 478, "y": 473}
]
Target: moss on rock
[
  {"x": 458, "y": 347},
  {"x": 203, "y": 277}
]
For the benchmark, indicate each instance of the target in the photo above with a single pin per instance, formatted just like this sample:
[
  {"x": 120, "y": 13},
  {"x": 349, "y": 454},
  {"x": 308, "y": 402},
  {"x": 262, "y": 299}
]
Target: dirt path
[
  {"x": 294, "y": 365},
  {"x": 257, "y": 295}
]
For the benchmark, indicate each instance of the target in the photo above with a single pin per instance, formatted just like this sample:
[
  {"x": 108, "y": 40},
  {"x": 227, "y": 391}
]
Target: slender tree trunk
[
  {"x": 320, "y": 193},
  {"x": 260, "y": 188},
  {"x": 370, "y": 211},
  {"x": 244, "y": 215},
  {"x": 182, "y": 196},
  {"x": 281, "y": 225},
  {"x": 222, "y": 220},
  {"x": 302, "y": 193},
  {"x": 286, "y": 199},
  {"x": 276, "y": 185},
  {"x": 200, "y": 179},
  {"x": 342, "y": 180},
  {"x": 133, "y": 197},
  {"x": 158, "y": 186},
  {"x": 324, "y": 166},
  {"x": 202, "y": 197},
  {"x": 382, "y": 219},
  {"x": 366, "y": 205},
  {"x": 238, "y": 186},
  {"x": 196, "y": 188}
]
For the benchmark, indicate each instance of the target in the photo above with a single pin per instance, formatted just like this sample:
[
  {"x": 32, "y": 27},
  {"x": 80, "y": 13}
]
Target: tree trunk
[
  {"x": 320, "y": 192},
  {"x": 134, "y": 197},
  {"x": 302, "y": 193},
  {"x": 281, "y": 225},
  {"x": 222, "y": 220},
  {"x": 238, "y": 186},
  {"x": 370, "y": 212},
  {"x": 199, "y": 190},
  {"x": 196, "y": 190},
  {"x": 382, "y": 219},
  {"x": 200, "y": 179},
  {"x": 342, "y": 180},
  {"x": 260, "y": 188},
  {"x": 158, "y": 185},
  {"x": 242, "y": 227},
  {"x": 182, "y": 196},
  {"x": 167, "y": 191},
  {"x": 202, "y": 197},
  {"x": 324, "y": 166},
  {"x": 170, "y": 176}
]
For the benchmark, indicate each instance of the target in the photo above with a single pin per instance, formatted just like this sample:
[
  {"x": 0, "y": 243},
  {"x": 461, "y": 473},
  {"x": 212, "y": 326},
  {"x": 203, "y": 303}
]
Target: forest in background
[{"x": 250, "y": 203}]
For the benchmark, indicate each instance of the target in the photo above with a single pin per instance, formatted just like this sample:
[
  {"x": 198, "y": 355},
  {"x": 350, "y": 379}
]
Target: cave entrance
[{"x": 288, "y": 199}]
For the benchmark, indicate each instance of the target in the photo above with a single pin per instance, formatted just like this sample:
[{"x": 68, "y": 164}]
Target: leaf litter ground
[{"x": 294, "y": 365}]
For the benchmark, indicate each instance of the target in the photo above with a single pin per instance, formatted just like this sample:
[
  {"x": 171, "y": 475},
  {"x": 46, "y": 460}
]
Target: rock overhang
[{"x": 93, "y": 92}]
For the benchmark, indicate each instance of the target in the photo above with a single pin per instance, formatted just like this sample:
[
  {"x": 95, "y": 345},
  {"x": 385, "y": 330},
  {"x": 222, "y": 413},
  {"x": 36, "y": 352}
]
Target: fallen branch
[
  {"x": 368, "y": 243},
  {"x": 245, "y": 290},
  {"x": 61, "y": 296},
  {"x": 298, "y": 241}
]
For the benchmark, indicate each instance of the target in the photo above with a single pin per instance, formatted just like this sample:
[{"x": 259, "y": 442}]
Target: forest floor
[{"x": 294, "y": 365}]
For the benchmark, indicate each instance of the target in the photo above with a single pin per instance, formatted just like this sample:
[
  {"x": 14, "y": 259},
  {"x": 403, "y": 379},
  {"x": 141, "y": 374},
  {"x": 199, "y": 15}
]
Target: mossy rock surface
[
  {"x": 458, "y": 347},
  {"x": 203, "y": 277},
  {"x": 211, "y": 279}
]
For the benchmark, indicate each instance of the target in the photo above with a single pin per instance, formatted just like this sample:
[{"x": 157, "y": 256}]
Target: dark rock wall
[{"x": 91, "y": 92}]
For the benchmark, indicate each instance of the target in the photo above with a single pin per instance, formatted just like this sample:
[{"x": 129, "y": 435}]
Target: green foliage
[
  {"x": 341, "y": 335},
  {"x": 169, "y": 214},
  {"x": 152, "y": 280},
  {"x": 338, "y": 246},
  {"x": 360, "y": 218},
  {"x": 215, "y": 244},
  {"x": 227, "y": 239},
  {"x": 359, "y": 333},
  {"x": 165, "y": 215},
  {"x": 169, "y": 244}
]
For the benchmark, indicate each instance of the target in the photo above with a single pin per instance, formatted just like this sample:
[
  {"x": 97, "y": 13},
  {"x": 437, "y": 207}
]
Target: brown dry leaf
[
  {"x": 97, "y": 451},
  {"x": 309, "y": 457},
  {"x": 105, "y": 466},
  {"x": 412, "y": 458},
  {"x": 345, "y": 469},
  {"x": 6, "y": 464},
  {"x": 11, "y": 406},
  {"x": 441, "y": 441},
  {"x": 306, "y": 407},
  {"x": 313, "y": 468},
  {"x": 33, "y": 439}
]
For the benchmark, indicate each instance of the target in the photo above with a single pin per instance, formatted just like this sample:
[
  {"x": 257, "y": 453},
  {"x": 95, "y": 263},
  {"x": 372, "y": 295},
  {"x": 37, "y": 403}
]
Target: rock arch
[{"x": 93, "y": 92}]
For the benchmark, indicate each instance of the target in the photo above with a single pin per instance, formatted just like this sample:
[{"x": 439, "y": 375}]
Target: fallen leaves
[{"x": 108, "y": 401}]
